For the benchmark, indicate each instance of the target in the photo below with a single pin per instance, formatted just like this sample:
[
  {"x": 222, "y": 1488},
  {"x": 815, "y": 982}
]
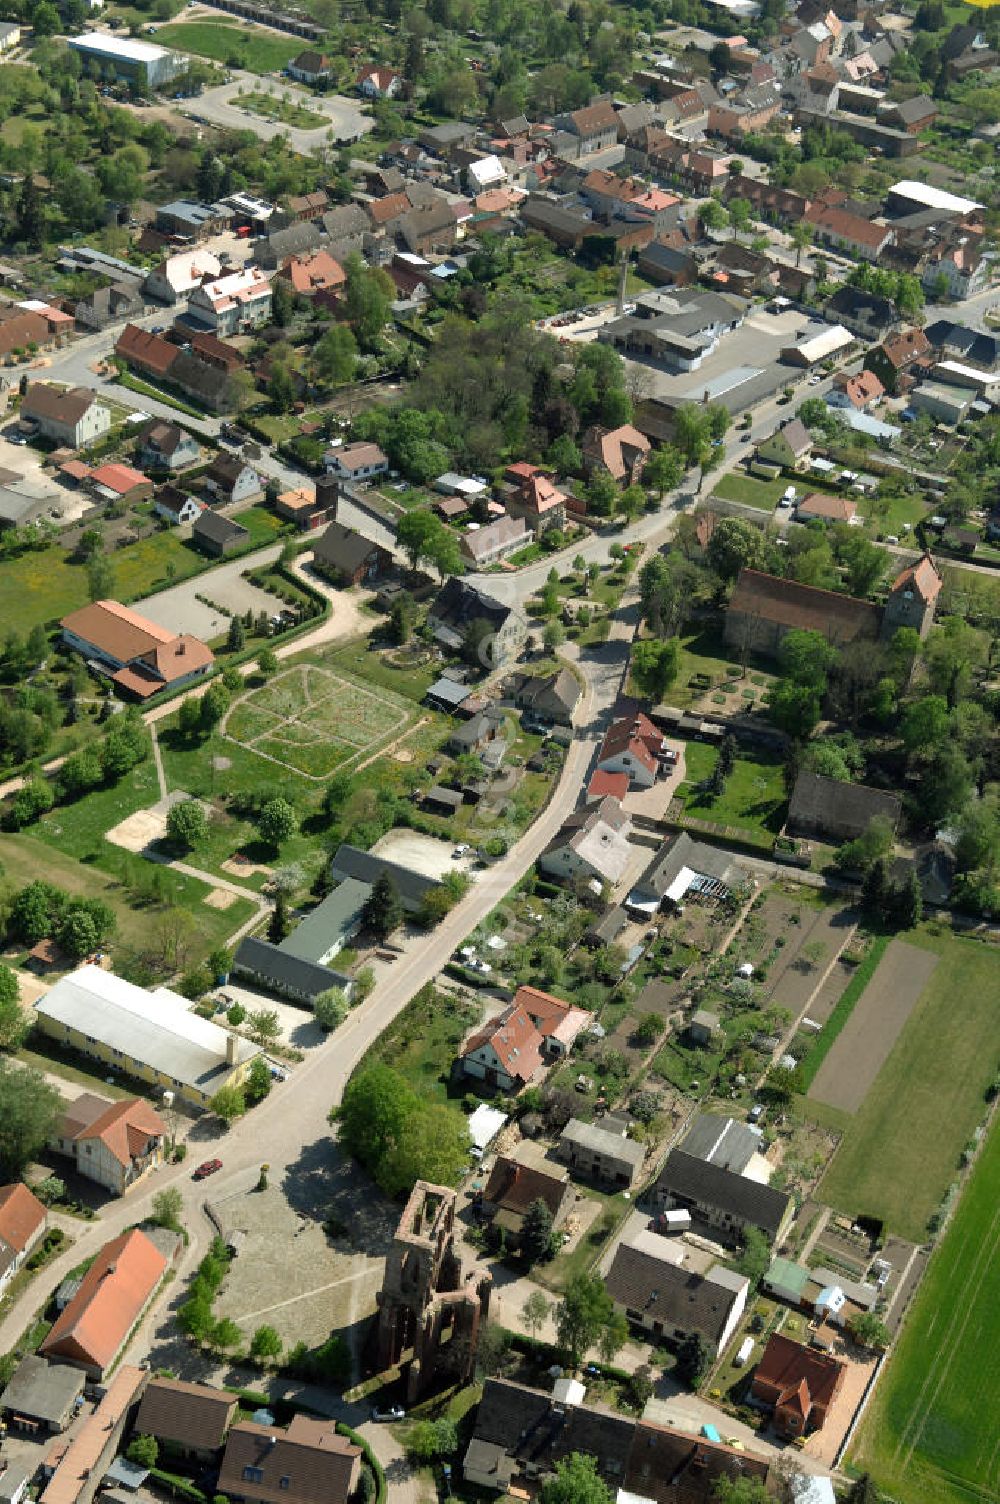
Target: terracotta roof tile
[
  {"x": 111, "y": 1298},
  {"x": 21, "y": 1215}
]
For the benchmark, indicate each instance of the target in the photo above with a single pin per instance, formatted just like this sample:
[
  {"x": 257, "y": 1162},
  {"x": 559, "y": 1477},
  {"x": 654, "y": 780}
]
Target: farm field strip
[{"x": 927, "y": 1434}]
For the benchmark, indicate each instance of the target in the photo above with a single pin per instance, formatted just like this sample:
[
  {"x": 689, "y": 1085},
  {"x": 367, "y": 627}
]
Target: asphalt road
[{"x": 222, "y": 107}]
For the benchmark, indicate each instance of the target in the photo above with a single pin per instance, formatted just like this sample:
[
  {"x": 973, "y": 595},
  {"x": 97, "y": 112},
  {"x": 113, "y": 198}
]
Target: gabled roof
[
  {"x": 633, "y": 734},
  {"x": 787, "y": 603},
  {"x": 513, "y": 1186},
  {"x": 670, "y": 1467},
  {"x": 815, "y": 799},
  {"x": 826, "y": 508},
  {"x": 796, "y": 436},
  {"x": 801, "y": 1375},
  {"x": 515, "y": 1041},
  {"x": 617, "y": 448},
  {"x": 658, "y": 1288},
  {"x": 115, "y": 630},
  {"x": 112, "y": 1296},
  {"x": 218, "y": 529},
  {"x": 722, "y": 1141},
  {"x": 60, "y": 404},
  {"x": 21, "y": 1216},
  {"x": 703, "y": 1183},
  {"x": 313, "y": 272},
  {"x": 862, "y": 388},
  {"x": 343, "y": 547},
  {"x": 903, "y": 348},
  {"x": 368, "y": 867},
  {"x": 594, "y": 118},
  {"x": 151, "y": 351},
  {"x": 190, "y": 1415},
  {"x": 124, "y": 1128},
  {"x": 306, "y": 1464},
  {"x": 923, "y": 577},
  {"x": 119, "y": 478}
]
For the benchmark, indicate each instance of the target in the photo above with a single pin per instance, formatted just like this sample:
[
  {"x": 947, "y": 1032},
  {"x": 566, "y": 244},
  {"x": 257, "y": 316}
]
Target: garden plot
[
  {"x": 863, "y": 1045},
  {"x": 313, "y": 721}
]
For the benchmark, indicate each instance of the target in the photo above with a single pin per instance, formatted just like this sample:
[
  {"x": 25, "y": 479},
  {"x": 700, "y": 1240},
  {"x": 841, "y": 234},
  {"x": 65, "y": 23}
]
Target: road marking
[{"x": 308, "y": 1294}]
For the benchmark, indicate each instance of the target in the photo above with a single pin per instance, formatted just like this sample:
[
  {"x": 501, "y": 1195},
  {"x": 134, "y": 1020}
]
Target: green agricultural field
[
  {"x": 900, "y": 1150},
  {"x": 225, "y": 41},
  {"x": 927, "y": 1435},
  {"x": 754, "y": 799}
]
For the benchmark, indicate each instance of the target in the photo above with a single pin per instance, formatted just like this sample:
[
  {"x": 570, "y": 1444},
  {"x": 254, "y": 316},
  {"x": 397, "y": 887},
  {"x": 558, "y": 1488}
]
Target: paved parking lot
[
  {"x": 179, "y": 610},
  {"x": 222, "y": 107}
]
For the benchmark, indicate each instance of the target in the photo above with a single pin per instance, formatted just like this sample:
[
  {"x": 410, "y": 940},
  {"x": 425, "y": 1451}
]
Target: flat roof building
[
  {"x": 154, "y": 1036},
  {"x": 137, "y": 63}
]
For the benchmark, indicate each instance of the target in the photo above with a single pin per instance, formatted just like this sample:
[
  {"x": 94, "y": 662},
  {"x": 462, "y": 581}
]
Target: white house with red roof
[
  {"x": 634, "y": 746},
  {"x": 23, "y": 1220},
  {"x": 114, "y": 1144},
  {"x": 512, "y": 1049},
  {"x": 375, "y": 82},
  {"x": 241, "y": 300}
]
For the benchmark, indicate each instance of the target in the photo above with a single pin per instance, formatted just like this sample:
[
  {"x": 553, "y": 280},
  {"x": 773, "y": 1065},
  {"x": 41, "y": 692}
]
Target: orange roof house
[
  {"x": 557, "y": 1021},
  {"x": 121, "y": 1282},
  {"x": 798, "y": 1383},
  {"x": 632, "y": 745},
  {"x": 315, "y": 272},
  {"x": 112, "y": 1143},
  {"x": 923, "y": 578},
  {"x": 530, "y": 494},
  {"x": 122, "y": 480},
  {"x": 820, "y": 508},
  {"x": 22, "y": 1223},
  {"x": 506, "y": 1053},
  {"x": 621, "y": 452},
  {"x": 143, "y": 655}
]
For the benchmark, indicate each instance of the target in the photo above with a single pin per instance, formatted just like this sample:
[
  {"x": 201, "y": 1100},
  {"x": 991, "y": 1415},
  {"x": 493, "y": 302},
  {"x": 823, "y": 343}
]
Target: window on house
[
  {"x": 283, "y": 1482},
  {"x": 253, "y": 1475}
]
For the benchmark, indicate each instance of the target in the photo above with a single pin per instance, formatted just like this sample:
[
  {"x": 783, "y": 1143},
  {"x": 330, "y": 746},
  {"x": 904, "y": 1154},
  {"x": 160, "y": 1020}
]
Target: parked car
[
  {"x": 392, "y": 1412},
  {"x": 208, "y": 1168}
]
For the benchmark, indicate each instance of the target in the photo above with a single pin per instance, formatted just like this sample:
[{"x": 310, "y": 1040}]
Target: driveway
[
  {"x": 222, "y": 106},
  {"x": 179, "y": 609}
]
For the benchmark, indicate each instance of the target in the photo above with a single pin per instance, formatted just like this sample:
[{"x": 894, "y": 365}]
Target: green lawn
[
  {"x": 900, "y": 1151},
  {"x": 702, "y": 652},
  {"x": 911, "y": 509},
  {"x": 927, "y": 1436},
  {"x": 288, "y": 112},
  {"x": 159, "y": 394},
  {"x": 225, "y": 41},
  {"x": 754, "y": 798},
  {"x": 357, "y": 658},
  {"x": 752, "y": 492}
]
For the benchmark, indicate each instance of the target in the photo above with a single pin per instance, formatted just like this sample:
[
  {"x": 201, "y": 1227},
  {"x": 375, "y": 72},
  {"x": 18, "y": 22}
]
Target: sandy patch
[
  {"x": 862, "y": 1048},
  {"x": 220, "y": 898},
  {"x": 420, "y": 853},
  {"x": 403, "y": 754},
  {"x": 238, "y": 868}
]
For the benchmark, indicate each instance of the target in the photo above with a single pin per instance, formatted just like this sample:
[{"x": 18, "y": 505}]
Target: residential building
[
  {"x": 93, "y": 1329},
  {"x": 913, "y": 598},
  {"x": 308, "y": 206},
  {"x": 115, "y": 1144},
  {"x": 177, "y": 277},
  {"x": 606, "y": 786},
  {"x": 374, "y": 82},
  {"x": 528, "y": 493},
  {"x": 234, "y": 303},
  {"x": 167, "y": 446},
  {"x": 633, "y": 745},
  {"x": 23, "y": 1220},
  {"x": 186, "y": 1419},
  {"x": 601, "y": 1152},
  {"x": 429, "y": 227},
  {"x": 513, "y": 1187},
  {"x": 512, "y": 1048},
  {"x": 891, "y": 361},
  {"x": 551, "y": 698},
  {"x": 817, "y": 507},
  {"x": 478, "y": 732},
  {"x": 462, "y": 613},
  {"x": 359, "y": 461},
  {"x": 229, "y": 479},
  {"x": 558, "y": 1022},
  {"x": 152, "y": 1036},
  {"x": 109, "y": 305},
  {"x": 860, "y": 392},
  {"x": 595, "y": 126},
  {"x": 144, "y": 658},
  {"x": 495, "y": 541},
  {"x": 148, "y": 353},
  {"x": 865, "y": 314},
  {"x": 41, "y": 1396},
  {"x": 351, "y": 557},
  {"x": 79, "y": 1468},
  {"x": 218, "y": 535},
  {"x": 797, "y": 1384},
  {"x": 944, "y": 403},
  {"x": 142, "y": 65},
  {"x": 368, "y": 867},
  {"x": 591, "y": 845},
  {"x": 114, "y": 482},
  {"x": 790, "y": 445},
  {"x": 669, "y": 1302},
  {"x": 728, "y": 1143},
  {"x": 307, "y": 1463},
  {"x": 834, "y": 811},
  {"x": 21, "y": 327},
  {"x": 764, "y": 607},
  {"x": 10, "y": 36},
  {"x": 969, "y": 345},
  {"x": 681, "y": 865},
  {"x": 304, "y": 506},
  {"x": 828, "y": 342},
  {"x": 961, "y": 269},
  {"x": 70, "y": 416},
  {"x": 314, "y": 272},
  {"x": 728, "y": 1203},
  {"x": 619, "y": 452},
  {"x": 310, "y": 67}
]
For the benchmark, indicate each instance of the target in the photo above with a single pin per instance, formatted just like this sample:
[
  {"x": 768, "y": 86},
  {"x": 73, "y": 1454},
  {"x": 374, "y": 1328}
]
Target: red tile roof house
[
  {"x": 92, "y": 1331},
  {"x": 607, "y": 785},
  {"x": 313, "y": 273},
  {"x": 859, "y": 392},
  {"x": 513, "y": 1187},
  {"x": 843, "y": 230},
  {"x": 114, "y": 1144},
  {"x": 144, "y": 657},
  {"x": 558, "y": 1022},
  {"x": 818, "y": 508},
  {"x": 80, "y": 1463},
  {"x": 506, "y": 1054},
  {"x": 306, "y": 1464},
  {"x": 618, "y": 452},
  {"x": 798, "y": 1384},
  {"x": 116, "y": 482},
  {"x": 23, "y": 1221},
  {"x": 634, "y": 746},
  {"x": 527, "y": 492},
  {"x": 378, "y": 83}
]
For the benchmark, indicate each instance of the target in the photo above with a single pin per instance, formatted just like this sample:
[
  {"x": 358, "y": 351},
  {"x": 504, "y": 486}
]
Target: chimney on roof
[{"x": 232, "y": 1045}]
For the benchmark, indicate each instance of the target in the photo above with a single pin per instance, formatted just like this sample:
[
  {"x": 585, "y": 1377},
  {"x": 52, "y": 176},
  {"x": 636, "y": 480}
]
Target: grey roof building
[
  {"x": 550, "y": 697},
  {"x": 687, "y": 864},
  {"x": 217, "y": 534},
  {"x": 671, "y": 1301},
  {"x": 722, "y": 1141},
  {"x": 731, "y": 1203},
  {"x": 44, "y": 1393},
  {"x": 598, "y": 1153},
  {"x": 834, "y": 810},
  {"x": 326, "y": 929},
  {"x": 350, "y": 862},
  {"x": 289, "y": 976}
]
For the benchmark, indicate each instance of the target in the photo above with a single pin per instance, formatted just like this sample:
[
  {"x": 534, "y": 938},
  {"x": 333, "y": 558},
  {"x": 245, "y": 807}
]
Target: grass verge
[{"x": 143, "y": 388}]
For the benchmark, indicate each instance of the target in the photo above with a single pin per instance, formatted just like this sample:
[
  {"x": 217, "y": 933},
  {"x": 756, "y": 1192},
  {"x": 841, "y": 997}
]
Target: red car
[{"x": 208, "y": 1168}]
